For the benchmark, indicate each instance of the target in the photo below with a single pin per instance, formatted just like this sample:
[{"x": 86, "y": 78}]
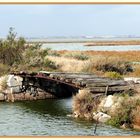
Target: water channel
[
  {"x": 49, "y": 118},
  {"x": 82, "y": 47}
]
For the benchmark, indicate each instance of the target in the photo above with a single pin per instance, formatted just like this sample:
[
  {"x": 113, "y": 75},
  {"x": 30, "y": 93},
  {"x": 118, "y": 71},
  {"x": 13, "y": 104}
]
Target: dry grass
[
  {"x": 3, "y": 69},
  {"x": 68, "y": 64},
  {"x": 113, "y": 56},
  {"x": 136, "y": 72},
  {"x": 107, "y": 64},
  {"x": 84, "y": 104},
  {"x": 3, "y": 83},
  {"x": 111, "y": 43},
  {"x": 77, "y": 55},
  {"x": 126, "y": 55},
  {"x": 125, "y": 111},
  {"x": 136, "y": 116}
]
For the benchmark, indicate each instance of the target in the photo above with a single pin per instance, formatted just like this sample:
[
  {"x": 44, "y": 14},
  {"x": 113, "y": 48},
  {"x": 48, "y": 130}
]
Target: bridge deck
[{"x": 91, "y": 82}]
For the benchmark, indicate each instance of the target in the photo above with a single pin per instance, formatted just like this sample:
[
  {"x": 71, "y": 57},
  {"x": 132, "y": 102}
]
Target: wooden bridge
[{"x": 63, "y": 84}]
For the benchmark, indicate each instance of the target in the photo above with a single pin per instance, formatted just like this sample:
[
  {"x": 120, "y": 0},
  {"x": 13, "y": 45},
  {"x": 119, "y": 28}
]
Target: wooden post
[{"x": 106, "y": 90}]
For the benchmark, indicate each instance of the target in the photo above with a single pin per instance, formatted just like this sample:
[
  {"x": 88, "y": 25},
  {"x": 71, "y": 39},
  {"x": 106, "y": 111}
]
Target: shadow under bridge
[{"x": 48, "y": 83}]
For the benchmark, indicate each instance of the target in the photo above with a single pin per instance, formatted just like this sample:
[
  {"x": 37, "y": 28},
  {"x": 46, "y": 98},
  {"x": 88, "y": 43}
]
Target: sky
[{"x": 70, "y": 20}]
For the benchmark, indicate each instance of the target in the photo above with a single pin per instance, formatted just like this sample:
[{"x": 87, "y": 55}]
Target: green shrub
[
  {"x": 54, "y": 53},
  {"x": 50, "y": 64},
  {"x": 124, "y": 113},
  {"x": 34, "y": 56},
  {"x": 11, "y": 49},
  {"x": 113, "y": 75},
  {"x": 3, "y": 83},
  {"x": 78, "y": 56},
  {"x": 84, "y": 104},
  {"x": 3, "y": 69},
  {"x": 110, "y": 64}
]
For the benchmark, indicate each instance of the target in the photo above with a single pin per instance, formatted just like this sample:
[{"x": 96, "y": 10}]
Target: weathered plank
[
  {"x": 91, "y": 82},
  {"x": 110, "y": 89}
]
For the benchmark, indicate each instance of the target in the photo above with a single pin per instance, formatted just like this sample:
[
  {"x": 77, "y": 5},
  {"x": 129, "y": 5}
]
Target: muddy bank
[
  {"x": 113, "y": 43},
  {"x": 11, "y": 97}
]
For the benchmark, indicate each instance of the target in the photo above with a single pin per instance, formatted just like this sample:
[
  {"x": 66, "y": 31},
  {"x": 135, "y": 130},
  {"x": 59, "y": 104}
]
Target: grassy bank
[
  {"x": 119, "y": 110},
  {"x": 104, "y": 63}
]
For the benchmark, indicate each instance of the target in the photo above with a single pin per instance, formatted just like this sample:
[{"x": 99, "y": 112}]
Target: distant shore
[
  {"x": 113, "y": 43},
  {"x": 90, "y": 42}
]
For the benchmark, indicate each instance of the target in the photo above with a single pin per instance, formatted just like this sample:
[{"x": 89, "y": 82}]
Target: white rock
[
  {"x": 135, "y": 80},
  {"x": 76, "y": 114},
  {"x": 69, "y": 115},
  {"x": 109, "y": 101},
  {"x": 101, "y": 117},
  {"x": 14, "y": 82}
]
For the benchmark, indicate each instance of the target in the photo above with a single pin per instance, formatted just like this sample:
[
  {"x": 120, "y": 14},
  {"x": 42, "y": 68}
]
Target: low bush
[
  {"x": 3, "y": 69},
  {"x": 84, "y": 104},
  {"x": 124, "y": 113},
  {"x": 35, "y": 56},
  {"x": 3, "y": 83},
  {"x": 108, "y": 64},
  {"x": 53, "y": 53},
  {"x": 50, "y": 64},
  {"x": 78, "y": 56},
  {"x": 112, "y": 64},
  {"x": 136, "y": 71},
  {"x": 113, "y": 75}
]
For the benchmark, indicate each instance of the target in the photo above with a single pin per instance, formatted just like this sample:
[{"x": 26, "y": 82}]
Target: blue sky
[{"x": 70, "y": 20}]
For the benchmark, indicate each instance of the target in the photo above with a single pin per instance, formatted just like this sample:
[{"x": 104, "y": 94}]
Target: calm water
[
  {"x": 81, "y": 47},
  {"x": 48, "y": 118}
]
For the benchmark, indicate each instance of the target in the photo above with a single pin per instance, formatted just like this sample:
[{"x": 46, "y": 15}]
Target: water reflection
[{"x": 53, "y": 107}]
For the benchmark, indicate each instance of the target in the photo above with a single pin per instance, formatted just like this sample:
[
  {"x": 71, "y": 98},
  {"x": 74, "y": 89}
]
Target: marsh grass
[
  {"x": 84, "y": 104},
  {"x": 126, "y": 112},
  {"x": 3, "y": 69},
  {"x": 3, "y": 83},
  {"x": 77, "y": 55},
  {"x": 67, "y": 64},
  {"x": 101, "y": 64},
  {"x": 113, "y": 75}
]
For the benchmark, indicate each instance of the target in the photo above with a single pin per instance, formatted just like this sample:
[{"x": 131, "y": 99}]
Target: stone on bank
[{"x": 10, "y": 90}]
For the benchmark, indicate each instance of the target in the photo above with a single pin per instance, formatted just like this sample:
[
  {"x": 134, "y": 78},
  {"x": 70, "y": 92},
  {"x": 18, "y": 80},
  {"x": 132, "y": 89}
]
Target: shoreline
[
  {"x": 113, "y": 43},
  {"x": 90, "y": 42}
]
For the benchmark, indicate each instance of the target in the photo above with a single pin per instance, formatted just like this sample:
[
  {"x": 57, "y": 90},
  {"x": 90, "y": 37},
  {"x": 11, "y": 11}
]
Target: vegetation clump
[
  {"x": 53, "y": 53},
  {"x": 18, "y": 55},
  {"x": 3, "y": 83},
  {"x": 11, "y": 49},
  {"x": 78, "y": 56},
  {"x": 3, "y": 69},
  {"x": 84, "y": 104},
  {"x": 113, "y": 75},
  {"x": 126, "y": 112},
  {"x": 108, "y": 64},
  {"x": 123, "y": 109}
]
